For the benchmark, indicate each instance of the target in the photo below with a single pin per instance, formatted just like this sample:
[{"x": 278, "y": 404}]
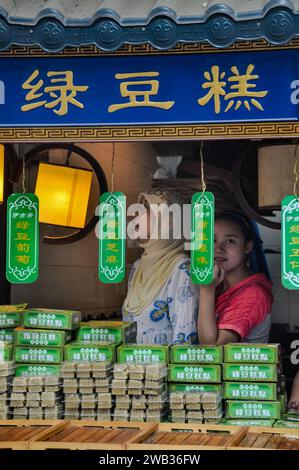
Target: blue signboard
[{"x": 156, "y": 89}]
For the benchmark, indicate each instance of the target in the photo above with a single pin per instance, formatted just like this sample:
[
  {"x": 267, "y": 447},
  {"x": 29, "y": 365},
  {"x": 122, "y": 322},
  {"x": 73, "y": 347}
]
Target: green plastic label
[
  {"x": 101, "y": 335},
  {"x": 196, "y": 354},
  {"x": 198, "y": 373},
  {"x": 249, "y": 422},
  {"x": 215, "y": 388},
  {"x": 202, "y": 240},
  {"x": 52, "y": 319},
  {"x": 290, "y": 243},
  {"x": 22, "y": 238},
  {"x": 142, "y": 354},
  {"x": 112, "y": 238},
  {"x": 89, "y": 353},
  {"x": 250, "y": 391},
  {"x": 50, "y": 338},
  {"x": 291, "y": 415},
  {"x": 39, "y": 355},
  {"x": 40, "y": 370},
  {"x": 250, "y": 372},
  {"x": 286, "y": 424},
  {"x": 253, "y": 409},
  {"x": 10, "y": 319},
  {"x": 256, "y": 353},
  {"x": 7, "y": 335}
]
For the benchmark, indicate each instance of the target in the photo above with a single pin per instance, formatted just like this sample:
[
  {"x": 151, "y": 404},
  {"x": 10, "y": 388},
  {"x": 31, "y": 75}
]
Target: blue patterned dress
[{"x": 172, "y": 317}]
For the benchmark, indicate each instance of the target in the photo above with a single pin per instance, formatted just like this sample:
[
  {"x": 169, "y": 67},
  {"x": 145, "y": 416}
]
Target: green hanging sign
[
  {"x": 112, "y": 238},
  {"x": 290, "y": 242},
  {"x": 202, "y": 240},
  {"x": 22, "y": 244}
]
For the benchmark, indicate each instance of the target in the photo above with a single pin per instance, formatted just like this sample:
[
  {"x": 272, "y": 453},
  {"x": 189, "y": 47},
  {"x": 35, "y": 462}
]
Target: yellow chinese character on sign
[
  {"x": 112, "y": 224},
  {"x": 202, "y": 237},
  {"x": 62, "y": 89},
  {"x": 202, "y": 224},
  {"x": 33, "y": 92},
  {"x": 22, "y": 225},
  {"x": 202, "y": 260},
  {"x": 127, "y": 91},
  {"x": 240, "y": 87},
  {"x": 294, "y": 229},
  {"x": 22, "y": 236},
  {"x": 112, "y": 247},
  {"x": 215, "y": 85},
  {"x": 295, "y": 252},
  {"x": 203, "y": 249},
  {"x": 23, "y": 259},
  {"x": 110, "y": 235},
  {"x": 23, "y": 247},
  {"x": 294, "y": 264},
  {"x": 295, "y": 241},
  {"x": 111, "y": 259}
]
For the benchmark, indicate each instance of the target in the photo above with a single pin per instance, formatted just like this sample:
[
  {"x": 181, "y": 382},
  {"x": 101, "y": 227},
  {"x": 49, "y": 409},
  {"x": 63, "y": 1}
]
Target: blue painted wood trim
[{"x": 278, "y": 26}]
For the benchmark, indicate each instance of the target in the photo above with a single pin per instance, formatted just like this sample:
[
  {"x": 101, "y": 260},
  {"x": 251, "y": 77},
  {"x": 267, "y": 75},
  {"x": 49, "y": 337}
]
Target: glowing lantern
[{"x": 63, "y": 194}]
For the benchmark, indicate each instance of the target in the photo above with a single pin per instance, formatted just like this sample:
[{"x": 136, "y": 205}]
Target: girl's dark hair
[{"x": 241, "y": 220}]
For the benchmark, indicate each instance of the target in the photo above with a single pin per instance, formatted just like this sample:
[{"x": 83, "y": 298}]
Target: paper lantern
[
  {"x": 276, "y": 173},
  {"x": 63, "y": 194}
]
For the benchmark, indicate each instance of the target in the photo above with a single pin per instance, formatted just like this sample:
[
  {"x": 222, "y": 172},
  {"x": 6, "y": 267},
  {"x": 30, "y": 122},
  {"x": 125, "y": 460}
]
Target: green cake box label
[
  {"x": 11, "y": 315},
  {"x": 250, "y": 372},
  {"x": 5, "y": 351},
  {"x": 199, "y": 373},
  {"x": 214, "y": 388},
  {"x": 142, "y": 354},
  {"x": 52, "y": 319},
  {"x": 10, "y": 319},
  {"x": 196, "y": 354},
  {"x": 25, "y": 354},
  {"x": 291, "y": 415},
  {"x": 250, "y": 391},
  {"x": 253, "y": 409},
  {"x": 7, "y": 335},
  {"x": 115, "y": 332},
  {"x": 38, "y": 370},
  {"x": 249, "y": 422},
  {"x": 50, "y": 338},
  {"x": 286, "y": 424},
  {"x": 89, "y": 353},
  {"x": 248, "y": 352}
]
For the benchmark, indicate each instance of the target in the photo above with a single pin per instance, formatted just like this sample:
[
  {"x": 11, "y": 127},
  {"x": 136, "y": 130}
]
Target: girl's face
[{"x": 230, "y": 246}]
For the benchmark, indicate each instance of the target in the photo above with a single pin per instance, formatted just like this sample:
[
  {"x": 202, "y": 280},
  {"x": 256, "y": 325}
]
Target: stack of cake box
[
  {"x": 195, "y": 392},
  {"x": 254, "y": 388}
]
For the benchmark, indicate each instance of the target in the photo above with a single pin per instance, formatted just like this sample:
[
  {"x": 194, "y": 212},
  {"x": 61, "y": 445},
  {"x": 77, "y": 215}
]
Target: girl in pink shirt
[{"x": 236, "y": 306}]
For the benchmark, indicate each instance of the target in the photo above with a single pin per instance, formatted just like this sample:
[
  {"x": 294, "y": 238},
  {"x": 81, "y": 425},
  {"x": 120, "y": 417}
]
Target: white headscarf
[{"x": 157, "y": 262}]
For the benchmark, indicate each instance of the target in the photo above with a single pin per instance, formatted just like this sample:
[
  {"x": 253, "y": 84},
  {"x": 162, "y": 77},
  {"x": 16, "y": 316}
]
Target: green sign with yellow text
[
  {"x": 202, "y": 241},
  {"x": 290, "y": 242},
  {"x": 112, "y": 238},
  {"x": 22, "y": 238}
]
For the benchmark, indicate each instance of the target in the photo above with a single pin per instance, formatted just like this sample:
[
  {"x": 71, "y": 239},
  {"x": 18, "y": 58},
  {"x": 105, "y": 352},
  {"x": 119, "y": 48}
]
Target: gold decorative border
[
  {"x": 146, "y": 49},
  {"x": 150, "y": 132}
]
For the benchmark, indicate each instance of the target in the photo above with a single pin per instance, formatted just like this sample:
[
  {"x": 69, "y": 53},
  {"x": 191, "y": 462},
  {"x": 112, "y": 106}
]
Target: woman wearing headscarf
[{"x": 161, "y": 297}]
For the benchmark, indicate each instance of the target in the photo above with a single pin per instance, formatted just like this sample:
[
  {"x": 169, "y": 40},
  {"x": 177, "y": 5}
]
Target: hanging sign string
[
  {"x": 112, "y": 167},
  {"x": 203, "y": 183},
  {"x": 296, "y": 174},
  {"x": 23, "y": 174}
]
